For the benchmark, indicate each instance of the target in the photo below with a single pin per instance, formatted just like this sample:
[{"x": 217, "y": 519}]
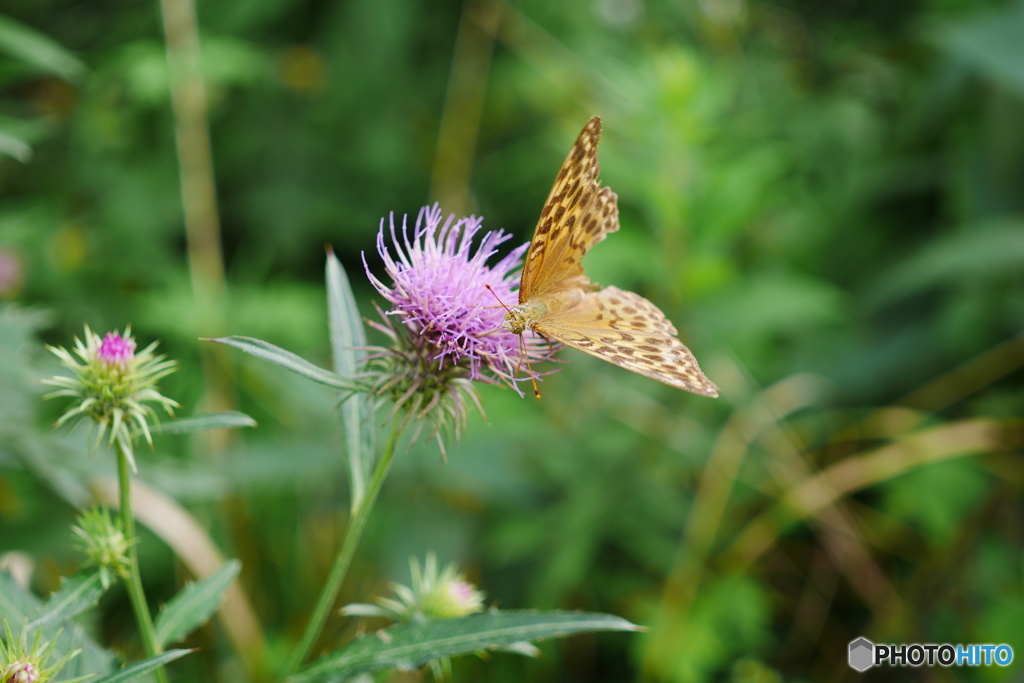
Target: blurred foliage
[{"x": 824, "y": 197}]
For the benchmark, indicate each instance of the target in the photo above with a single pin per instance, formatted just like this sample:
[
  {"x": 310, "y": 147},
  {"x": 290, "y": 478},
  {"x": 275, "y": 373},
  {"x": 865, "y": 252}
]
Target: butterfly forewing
[
  {"x": 577, "y": 215},
  {"x": 626, "y": 329}
]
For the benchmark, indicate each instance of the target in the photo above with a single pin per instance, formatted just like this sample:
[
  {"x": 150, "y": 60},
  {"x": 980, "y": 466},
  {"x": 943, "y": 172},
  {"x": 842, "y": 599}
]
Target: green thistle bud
[
  {"x": 111, "y": 384},
  {"x": 444, "y": 594},
  {"x": 22, "y": 672},
  {"x": 435, "y": 594},
  {"x": 22, "y": 664},
  {"x": 102, "y": 540}
]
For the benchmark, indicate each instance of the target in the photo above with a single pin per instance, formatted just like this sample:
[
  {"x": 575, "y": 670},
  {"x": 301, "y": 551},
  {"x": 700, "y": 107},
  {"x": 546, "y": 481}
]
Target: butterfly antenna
[
  {"x": 500, "y": 303},
  {"x": 495, "y": 295}
]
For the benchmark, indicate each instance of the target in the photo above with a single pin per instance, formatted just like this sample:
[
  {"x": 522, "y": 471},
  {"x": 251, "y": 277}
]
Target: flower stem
[
  {"x": 329, "y": 593},
  {"x": 134, "y": 580}
]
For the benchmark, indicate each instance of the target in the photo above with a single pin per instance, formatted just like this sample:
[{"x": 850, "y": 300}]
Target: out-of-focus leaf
[
  {"x": 145, "y": 666},
  {"x": 347, "y": 338},
  {"x": 16, "y": 606},
  {"x": 37, "y": 50},
  {"x": 287, "y": 359},
  {"x": 228, "y": 419},
  {"x": 15, "y": 147},
  {"x": 143, "y": 65},
  {"x": 297, "y": 307},
  {"x": 190, "y": 608},
  {"x": 76, "y": 594},
  {"x": 772, "y": 303},
  {"x": 18, "y": 328},
  {"x": 980, "y": 251},
  {"x": 409, "y": 646},
  {"x": 955, "y": 489},
  {"x": 991, "y": 42},
  {"x": 728, "y": 621},
  {"x": 228, "y": 60}
]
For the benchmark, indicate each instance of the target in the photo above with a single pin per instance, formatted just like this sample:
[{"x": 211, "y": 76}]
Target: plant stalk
[
  {"x": 134, "y": 580},
  {"x": 329, "y": 593}
]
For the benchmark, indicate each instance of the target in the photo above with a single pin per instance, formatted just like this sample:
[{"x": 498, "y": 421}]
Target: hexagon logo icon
[{"x": 862, "y": 654}]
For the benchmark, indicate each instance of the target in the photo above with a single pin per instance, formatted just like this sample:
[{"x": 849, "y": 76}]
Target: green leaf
[
  {"x": 227, "y": 419},
  {"x": 990, "y": 42},
  {"x": 286, "y": 359},
  {"x": 145, "y": 666},
  {"x": 15, "y": 147},
  {"x": 411, "y": 645},
  {"x": 16, "y": 605},
  {"x": 76, "y": 594},
  {"x": 190, "y": 608},
  {"x": 37, "y": 50},
  {"x": 976, "y": 252},
  {"x": 347, "y": 336}
]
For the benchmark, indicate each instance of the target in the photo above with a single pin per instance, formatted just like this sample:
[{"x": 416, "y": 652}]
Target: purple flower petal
[{"x": 116, "y": 350}]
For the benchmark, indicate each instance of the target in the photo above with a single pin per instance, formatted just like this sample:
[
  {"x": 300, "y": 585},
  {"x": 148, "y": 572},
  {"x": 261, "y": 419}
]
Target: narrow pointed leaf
[
  {"x": 190, "y": 608},
  {"x": 76, "y": 594},
  {"x": 286, "y": 359},
  {"x": 40, "y": 51},
  {"x": 412, "y": 645},
  {"x": 145, "y": 666},
  {"x": 347, "y": 336},
  {"x": 14, "y": 146},
  {"x": 228, "y": 419}
]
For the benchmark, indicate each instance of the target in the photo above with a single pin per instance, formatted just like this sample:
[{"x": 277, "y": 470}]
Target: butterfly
[{"x": 559, "y": 302}]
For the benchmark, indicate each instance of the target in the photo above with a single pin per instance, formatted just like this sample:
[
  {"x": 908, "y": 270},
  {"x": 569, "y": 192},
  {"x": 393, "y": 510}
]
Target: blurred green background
[{"x": 827, "y": 198}]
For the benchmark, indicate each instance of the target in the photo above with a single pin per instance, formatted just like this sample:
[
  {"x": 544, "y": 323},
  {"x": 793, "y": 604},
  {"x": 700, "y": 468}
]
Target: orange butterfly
[{"x": 558, "y": 301}]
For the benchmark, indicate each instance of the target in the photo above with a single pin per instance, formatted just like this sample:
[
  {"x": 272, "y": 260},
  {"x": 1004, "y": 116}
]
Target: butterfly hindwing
[{"x": 628, "y": 330}]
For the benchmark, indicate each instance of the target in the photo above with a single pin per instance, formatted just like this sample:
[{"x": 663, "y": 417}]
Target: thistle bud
[
  {"x": 104, "y": 544},
  {"x": 20, "y": 663},
  {"x": 434, "y": 594},
  {"x": 112, "y": 385}
]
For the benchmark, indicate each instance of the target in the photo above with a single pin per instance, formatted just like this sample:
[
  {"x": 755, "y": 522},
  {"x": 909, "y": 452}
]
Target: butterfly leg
[{"x": 525, "y": 358}]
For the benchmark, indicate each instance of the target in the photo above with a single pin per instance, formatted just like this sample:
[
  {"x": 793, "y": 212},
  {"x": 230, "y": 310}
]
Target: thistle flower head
[
  {"x": 112, "y": 385},
  {"x": 103, "y": 542},
  {"x": 442, "y": 291},
  {"x": 20, "y": 663},
  {"x": 435, "y": 593}
]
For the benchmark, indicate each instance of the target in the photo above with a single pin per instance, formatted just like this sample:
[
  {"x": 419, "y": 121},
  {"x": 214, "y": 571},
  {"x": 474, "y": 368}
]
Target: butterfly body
[
  {"x": 526, "y": 315},
  {"x": 559, "y": 302}
]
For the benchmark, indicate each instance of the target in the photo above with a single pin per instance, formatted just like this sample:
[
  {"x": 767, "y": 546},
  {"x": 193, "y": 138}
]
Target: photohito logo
[{"x": 864, "y": 654}]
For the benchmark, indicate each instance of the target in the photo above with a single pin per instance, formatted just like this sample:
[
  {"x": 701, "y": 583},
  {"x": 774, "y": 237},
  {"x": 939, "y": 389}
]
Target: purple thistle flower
[
  {"x": 450, "y": 331},
  {"x": 116, "y": 350},
  {"x": 440, "y": 291}
]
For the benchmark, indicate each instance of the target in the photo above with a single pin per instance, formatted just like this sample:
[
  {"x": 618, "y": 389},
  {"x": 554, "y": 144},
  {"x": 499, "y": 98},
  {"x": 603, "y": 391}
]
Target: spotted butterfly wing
[
  {"x": 578, "y": 214},
  {"x": 628, "y": 330}
]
